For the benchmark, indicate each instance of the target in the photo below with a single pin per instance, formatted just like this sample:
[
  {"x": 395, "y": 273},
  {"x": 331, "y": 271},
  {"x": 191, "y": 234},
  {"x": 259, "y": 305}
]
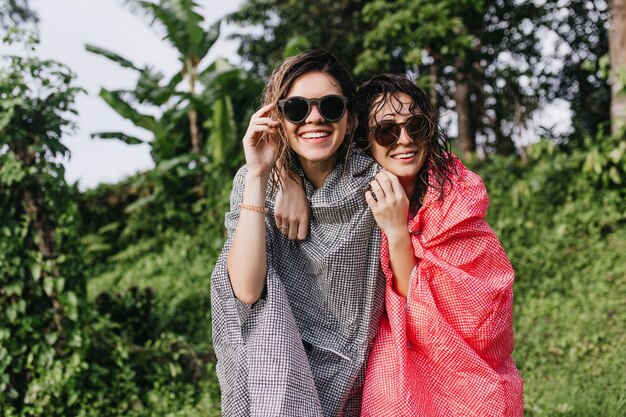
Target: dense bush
[
  {"x": 562, "y": 220},
  {"x": 42, "y": 281}
]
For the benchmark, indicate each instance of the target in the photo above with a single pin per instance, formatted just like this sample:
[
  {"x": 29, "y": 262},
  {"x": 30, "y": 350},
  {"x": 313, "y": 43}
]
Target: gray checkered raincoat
[{"x": 301, "y": 350}]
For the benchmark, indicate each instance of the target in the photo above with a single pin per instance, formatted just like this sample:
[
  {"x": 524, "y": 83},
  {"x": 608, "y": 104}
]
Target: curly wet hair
[
  {"x": 281, "y": 82},
  {"x": 383, "y": 89}
]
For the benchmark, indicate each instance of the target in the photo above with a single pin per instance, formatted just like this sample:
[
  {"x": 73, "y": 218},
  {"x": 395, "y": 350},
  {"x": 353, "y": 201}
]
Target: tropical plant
[
  {"x": 194, "y": 129},
  {"x": 42, "y": 286}
]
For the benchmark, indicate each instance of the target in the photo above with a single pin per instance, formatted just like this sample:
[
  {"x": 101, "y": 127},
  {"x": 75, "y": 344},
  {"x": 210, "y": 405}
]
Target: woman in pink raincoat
[{"x": 446, "y": 338}]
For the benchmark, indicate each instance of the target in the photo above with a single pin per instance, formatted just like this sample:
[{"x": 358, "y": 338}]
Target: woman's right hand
[
  {"x": 259, "y": 142},
  {"x": 389, "y": 204},
  {"x": 291, "y": 207}
]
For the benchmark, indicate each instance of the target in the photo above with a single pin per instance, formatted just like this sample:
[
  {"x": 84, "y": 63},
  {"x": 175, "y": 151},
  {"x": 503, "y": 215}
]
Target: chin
[{"x": 316, "y": 156}]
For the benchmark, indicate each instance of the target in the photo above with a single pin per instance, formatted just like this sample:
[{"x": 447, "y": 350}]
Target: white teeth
[
  {"x": 404, "y": 155},
  {"x": 311, "y": 135}
]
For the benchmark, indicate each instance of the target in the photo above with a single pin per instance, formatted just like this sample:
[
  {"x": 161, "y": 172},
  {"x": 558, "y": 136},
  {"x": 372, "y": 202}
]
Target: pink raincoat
[{"x": 445, "y": 350}]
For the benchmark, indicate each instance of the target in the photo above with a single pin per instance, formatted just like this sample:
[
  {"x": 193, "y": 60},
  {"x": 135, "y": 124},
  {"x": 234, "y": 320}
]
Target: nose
[
  {"x": 314, "y": 116},
  {"x": 404, "y": 136}
]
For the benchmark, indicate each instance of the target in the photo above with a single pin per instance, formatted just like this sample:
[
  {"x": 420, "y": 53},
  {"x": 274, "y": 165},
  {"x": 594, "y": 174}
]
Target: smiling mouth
[
  {"x": 315, "y": 135},
  {"x": 405, "y": 155}
]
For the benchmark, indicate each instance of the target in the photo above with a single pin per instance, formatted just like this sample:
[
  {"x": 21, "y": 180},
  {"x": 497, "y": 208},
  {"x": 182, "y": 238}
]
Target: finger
[
  {"x": 293, "y": 230},
  {"x": 284, "y": 229},
  {"x": 371, "y": 200},
  {"x": 379, "y": 193},
  {"x": 398, "y": 190},
  {"x": 268, "y": 121},
  {"x": 393, "y": 190},
  {"x": 278, "y": 220},
  {"x": 303, "y": 228},
  {"x": 263, "y": 110},
  {"x": 385, "y": 185},
  {"x": 262, "y": 132}
]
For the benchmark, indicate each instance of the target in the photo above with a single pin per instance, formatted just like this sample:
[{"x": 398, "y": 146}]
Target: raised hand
[
  {"x": 259, "y": 142},
  {"x": 389, "y": 204}
]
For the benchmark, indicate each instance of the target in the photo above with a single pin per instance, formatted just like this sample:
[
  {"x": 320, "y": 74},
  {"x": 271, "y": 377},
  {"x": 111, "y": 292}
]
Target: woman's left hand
[{"x": 389, "y": 204}]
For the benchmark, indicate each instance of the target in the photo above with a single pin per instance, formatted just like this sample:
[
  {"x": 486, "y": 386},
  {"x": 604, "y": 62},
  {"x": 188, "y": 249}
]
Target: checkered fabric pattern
[
  {"x": 446, "y": 349},
  {"x": 325, "y": 293}
]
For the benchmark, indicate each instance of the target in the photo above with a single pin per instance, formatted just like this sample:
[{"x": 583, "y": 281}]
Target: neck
[
  {"x": 317, "y": 171},
  {"x": 408, "y": 184}
]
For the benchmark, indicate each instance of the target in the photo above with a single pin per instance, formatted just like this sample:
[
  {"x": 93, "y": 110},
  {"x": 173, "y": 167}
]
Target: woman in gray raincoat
[{"x": 293, "y": 321}]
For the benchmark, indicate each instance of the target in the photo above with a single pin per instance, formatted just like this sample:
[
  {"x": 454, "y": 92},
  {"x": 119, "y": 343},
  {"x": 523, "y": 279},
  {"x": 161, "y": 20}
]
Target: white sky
[{"x": 65, "y": 27}]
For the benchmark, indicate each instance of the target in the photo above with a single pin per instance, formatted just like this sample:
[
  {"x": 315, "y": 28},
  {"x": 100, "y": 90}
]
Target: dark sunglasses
[
  {"x": 388, "y": 132},
  {"x": 296, "y": 109}
]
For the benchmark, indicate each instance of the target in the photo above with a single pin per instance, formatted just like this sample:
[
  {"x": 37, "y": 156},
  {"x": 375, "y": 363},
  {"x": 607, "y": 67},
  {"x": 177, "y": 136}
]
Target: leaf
[
  {"x": 48, "y": 286},
  {"x": 126, "y": 110},
  {"x": 211, "y": 37},
  {"x": 112, "y": 56},
  {"x": 129, "y": 140},
  {"x": 614, "y": 175},
  {"x": 140, "y": 203},
  {"x": 172, "y": 163},
  {"x": 223, "y": 136}
]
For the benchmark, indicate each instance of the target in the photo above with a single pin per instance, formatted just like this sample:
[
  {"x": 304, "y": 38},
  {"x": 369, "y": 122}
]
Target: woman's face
[
  {"x": 404, "y": 158},
  {"x": 316, "y": 140}
]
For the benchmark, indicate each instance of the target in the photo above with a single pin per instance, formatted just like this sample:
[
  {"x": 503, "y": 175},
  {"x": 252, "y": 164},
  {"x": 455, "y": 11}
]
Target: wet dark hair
[
  {"x": 438, "y": 166},
  {"x": 281, "y": 82}
]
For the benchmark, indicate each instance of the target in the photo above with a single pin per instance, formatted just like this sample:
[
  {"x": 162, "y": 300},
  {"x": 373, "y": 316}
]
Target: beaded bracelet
[{"x": 258, "y": 209}]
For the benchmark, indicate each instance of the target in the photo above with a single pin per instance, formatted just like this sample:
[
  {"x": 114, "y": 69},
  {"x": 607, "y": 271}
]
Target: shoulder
[
  {"x": 465, "y": 188},
  {"x": 465, "y": 180}
]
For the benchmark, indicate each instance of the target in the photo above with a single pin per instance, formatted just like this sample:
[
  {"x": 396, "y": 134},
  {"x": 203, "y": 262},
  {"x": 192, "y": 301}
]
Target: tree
[
  {"x": 464, "y": 52},
  {"x": 581, "y": 27},
  {"x": 41, "y": 270},
  {"x": 15, "y": 12},
  {"x": 288, "y": 25},
  {"x": 216, "y": 97},
  {"x": 617, "y": 50}
]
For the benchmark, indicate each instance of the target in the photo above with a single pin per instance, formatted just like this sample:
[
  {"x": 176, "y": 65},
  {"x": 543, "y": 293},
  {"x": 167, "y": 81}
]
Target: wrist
[
  {"x": 255, "y": 177},
  {"x": 255, "y": 188},
  {"x": 397, "y": 235}
]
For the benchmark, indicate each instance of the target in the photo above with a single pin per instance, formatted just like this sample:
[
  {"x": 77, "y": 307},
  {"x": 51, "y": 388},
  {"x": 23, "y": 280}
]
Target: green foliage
[
  {"x": 581, "y": 26},
  {"x": 127, "y": 351},
  {"x": 156, "y": 294},
  {"x": 289, "y": 27},
  {"x": 13, "y": 12},
  {"x": 562, "y": 222},
  {"x": 194, "y": 130},
  {"x": 42, "y": 285}
]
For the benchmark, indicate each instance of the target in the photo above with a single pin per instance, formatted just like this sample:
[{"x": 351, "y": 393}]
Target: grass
[{"x": 570, "y": 292}]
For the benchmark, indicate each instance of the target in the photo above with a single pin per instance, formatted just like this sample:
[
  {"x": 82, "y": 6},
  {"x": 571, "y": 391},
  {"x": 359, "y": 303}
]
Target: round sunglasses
[
  {"x": 296, "y": 109},
  {"x": 387, "y": 133}
]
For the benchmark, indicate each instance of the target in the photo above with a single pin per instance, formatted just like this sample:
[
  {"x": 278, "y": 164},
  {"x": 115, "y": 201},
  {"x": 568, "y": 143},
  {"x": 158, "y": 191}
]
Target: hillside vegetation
[{"x": 560, "y": 218}]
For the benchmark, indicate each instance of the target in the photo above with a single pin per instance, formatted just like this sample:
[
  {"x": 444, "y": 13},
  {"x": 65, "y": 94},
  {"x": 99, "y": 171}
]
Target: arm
[
  {"x": 291, "y": 210},
  {"x": 247, "y": 262},
  {"x": 390, "y": 207}
]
